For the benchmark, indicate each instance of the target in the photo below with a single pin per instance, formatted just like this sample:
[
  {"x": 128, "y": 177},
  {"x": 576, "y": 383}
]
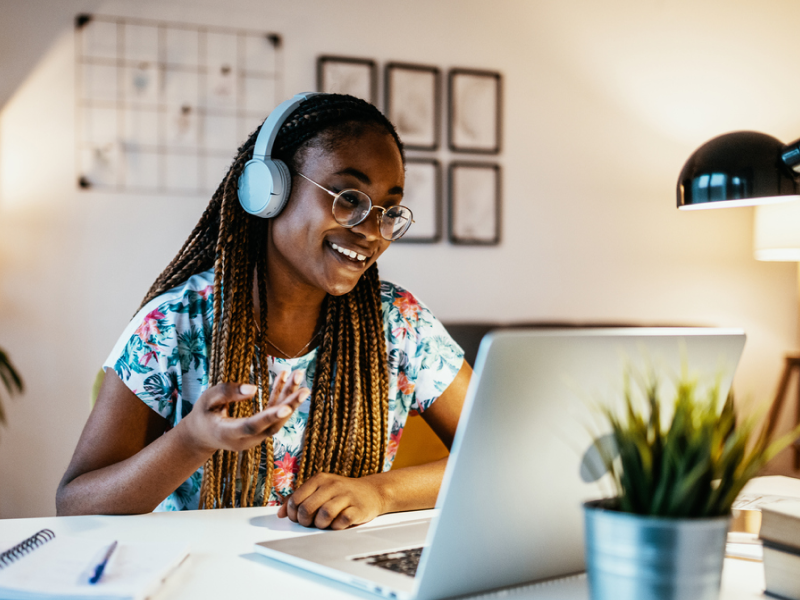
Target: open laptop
[{"x": 510, "y": 502}]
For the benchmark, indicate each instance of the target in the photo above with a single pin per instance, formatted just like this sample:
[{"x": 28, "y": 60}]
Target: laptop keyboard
[{"x": 401, "y": 561}]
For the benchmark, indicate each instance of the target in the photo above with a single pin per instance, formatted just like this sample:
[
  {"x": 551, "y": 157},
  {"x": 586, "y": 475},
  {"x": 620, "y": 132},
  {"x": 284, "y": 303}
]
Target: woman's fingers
[
  {"x": 300, "y": 495},
  {"x": 284, "y": 386},
  {"x": 223, "y": 394},
  {"x": 270, "y": 420},
  {"x": 332, "y": 501},
  {"x": 319, "y": 501},
  {"x": 209, "y": 427},
  {"x": 347, "y": 518},
  {"x": 277, "y": 388},
  {"x": 331, "y": 510}
]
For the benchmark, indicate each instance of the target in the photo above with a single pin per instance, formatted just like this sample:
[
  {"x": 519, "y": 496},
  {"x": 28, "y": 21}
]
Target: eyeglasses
[{"x": 351, "y": 207}]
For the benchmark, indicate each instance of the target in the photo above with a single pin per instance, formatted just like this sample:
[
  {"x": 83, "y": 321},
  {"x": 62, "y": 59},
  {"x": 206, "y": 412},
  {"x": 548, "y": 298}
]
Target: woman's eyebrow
[{"x": 362, "y": 177}]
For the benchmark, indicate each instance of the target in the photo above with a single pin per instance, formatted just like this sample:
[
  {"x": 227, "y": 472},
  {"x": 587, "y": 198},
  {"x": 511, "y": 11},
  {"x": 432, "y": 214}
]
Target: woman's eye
[
  {"x": 350, "y": 198},
  {"x": 398, "y": 215}
]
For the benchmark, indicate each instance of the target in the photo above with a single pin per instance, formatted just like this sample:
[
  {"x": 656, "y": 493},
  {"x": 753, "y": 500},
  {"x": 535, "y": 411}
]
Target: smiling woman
[{"x": 268, "y": 363}]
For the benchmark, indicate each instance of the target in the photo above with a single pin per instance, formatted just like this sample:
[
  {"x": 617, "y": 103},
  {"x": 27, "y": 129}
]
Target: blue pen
[{"x": 101, "y": 566}]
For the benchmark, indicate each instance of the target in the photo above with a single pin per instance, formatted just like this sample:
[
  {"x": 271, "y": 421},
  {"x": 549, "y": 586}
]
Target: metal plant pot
[{"x": 636, "y": 557}]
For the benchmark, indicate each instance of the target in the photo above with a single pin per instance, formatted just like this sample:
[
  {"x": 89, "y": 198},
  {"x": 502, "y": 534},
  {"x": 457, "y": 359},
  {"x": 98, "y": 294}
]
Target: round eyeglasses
[{"x": 351, "y": 207}]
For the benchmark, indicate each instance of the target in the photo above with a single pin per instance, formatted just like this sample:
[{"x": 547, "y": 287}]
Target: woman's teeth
[{"x": 349, "y": 253}]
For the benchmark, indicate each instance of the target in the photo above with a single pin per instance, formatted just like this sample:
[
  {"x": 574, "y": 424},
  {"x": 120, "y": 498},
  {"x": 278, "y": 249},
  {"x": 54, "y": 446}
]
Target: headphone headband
[
  {"x": 264, "y": 184},
  {"x": 269, "y": 130}
]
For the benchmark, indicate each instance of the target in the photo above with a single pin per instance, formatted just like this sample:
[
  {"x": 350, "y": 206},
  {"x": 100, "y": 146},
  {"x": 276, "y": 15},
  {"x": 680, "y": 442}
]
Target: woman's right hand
[{"x": 209, "y": 428}]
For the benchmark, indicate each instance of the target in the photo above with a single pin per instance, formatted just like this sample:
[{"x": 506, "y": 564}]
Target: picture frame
[
  {"x": 422, "y": 194},
  {"x": 347, "y": 75},
  {"x": 475, "y": 111},
  {"x": 474, "y": 207},
  {"x": 413, "y": 100}
]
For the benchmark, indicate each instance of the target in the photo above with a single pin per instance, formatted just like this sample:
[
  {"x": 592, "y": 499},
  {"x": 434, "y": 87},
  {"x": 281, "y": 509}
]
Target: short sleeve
[
  {"x": 162, "y": 356},
  {"x": 422, "y": 356}
]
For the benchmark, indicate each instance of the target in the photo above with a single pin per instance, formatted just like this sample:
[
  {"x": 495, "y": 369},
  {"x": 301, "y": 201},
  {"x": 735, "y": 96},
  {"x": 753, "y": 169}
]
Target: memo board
[{"x": 162, "y": 107}]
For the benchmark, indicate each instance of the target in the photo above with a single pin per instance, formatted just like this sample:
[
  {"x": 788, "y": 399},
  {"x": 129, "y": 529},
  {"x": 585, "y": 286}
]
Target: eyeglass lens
[{"x": 351, "y": 207}]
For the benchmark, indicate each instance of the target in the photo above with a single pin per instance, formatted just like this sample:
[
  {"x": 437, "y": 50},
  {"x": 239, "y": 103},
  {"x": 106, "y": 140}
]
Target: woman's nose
[{"x": 370, "y": 227}]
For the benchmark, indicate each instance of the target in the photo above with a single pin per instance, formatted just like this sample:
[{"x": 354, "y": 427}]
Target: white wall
[{"x": 603, "y": 104}]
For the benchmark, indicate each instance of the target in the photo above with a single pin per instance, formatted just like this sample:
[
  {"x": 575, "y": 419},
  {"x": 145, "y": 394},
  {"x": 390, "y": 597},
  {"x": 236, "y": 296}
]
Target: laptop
[{"x": 509, "y": 508}]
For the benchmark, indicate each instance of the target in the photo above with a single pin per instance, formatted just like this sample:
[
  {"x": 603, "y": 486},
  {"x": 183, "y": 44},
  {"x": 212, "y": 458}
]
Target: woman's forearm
[
  {"x": 410, "y": 488},
  {"x": 124, "y": 466},
  {"x": 134, "y": 485}
]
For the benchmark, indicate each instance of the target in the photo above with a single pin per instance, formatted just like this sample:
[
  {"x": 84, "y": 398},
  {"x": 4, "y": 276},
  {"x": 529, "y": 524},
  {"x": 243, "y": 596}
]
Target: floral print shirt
[{"x": 162, "y": 356}]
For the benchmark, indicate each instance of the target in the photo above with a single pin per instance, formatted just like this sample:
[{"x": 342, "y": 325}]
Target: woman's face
[{"x": 304, "y": 238}]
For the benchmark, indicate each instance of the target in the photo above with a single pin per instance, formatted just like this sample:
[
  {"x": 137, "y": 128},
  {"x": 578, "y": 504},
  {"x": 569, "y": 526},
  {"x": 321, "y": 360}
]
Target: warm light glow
[
  {"x": 778, "y": 254},
  {"x": 776, "y": 232},
  {"x": 28, "y": 182},
  {"x": 739, "y": 203}
]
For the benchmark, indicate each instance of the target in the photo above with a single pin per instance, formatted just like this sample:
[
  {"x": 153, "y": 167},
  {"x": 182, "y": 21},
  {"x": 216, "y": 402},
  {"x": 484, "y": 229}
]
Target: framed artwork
[
  {"x": 475, "y": 111},
  {"x": 412, "y": 104},
  {"x": 422, "y": 195},
  {"x": 342, "y": 75},
  {"x": 474, "y": 207}
]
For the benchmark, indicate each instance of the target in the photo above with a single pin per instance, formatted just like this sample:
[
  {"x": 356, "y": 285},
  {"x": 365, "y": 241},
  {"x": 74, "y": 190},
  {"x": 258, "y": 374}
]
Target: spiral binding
[{"x": 25, "y": 546}]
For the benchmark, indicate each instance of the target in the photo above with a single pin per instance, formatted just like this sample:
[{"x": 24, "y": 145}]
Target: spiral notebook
[{"x": 46, "y": 566}]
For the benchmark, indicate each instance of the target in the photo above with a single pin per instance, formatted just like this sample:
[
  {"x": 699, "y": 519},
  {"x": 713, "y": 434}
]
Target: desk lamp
[{"x": 743, "y": 168}]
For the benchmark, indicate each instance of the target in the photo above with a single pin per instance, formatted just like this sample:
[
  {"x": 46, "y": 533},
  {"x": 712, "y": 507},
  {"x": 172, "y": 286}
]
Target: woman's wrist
[
  {"x": 410, "y": 488},
  {"x": 188, "y": 440},
  {"x": 383, "y": 491},
  {"x": 393, "y": 490}
]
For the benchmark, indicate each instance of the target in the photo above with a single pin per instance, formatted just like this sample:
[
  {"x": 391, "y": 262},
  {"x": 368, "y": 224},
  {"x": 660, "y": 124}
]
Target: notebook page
[{"x": 63, "y": 566}]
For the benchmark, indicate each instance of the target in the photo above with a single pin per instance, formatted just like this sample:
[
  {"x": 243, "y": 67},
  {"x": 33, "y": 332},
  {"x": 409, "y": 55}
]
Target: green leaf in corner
[
  {"x": 11, "y": 380},
  {"x": 692, "y": 464}
]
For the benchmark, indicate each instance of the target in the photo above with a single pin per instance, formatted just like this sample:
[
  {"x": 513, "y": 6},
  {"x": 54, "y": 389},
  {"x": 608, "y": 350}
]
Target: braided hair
[{"x": 347, "y": 422}]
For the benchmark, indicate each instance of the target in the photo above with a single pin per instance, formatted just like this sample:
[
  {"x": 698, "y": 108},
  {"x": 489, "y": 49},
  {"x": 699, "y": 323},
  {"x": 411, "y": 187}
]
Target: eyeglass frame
[{"x": 372, "y": 206}]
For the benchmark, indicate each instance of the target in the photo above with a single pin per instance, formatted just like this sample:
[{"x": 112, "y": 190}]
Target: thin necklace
[{"x": 286, "y": 354}]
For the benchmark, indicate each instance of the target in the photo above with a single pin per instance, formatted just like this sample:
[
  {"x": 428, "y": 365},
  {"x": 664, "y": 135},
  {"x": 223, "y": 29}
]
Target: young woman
[{"x": 268, "y": 364}]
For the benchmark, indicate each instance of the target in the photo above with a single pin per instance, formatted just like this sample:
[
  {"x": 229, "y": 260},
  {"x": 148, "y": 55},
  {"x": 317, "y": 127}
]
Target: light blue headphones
[{"x": 264, "y": 185}]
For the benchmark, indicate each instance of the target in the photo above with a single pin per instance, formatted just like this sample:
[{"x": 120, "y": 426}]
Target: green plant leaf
[
  {"x": 11, "y": 380},
  {"x": 693, "y": 464}
]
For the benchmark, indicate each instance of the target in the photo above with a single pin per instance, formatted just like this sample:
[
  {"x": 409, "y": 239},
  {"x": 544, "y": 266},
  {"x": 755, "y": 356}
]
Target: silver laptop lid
[{"x": 511, "y": 496}]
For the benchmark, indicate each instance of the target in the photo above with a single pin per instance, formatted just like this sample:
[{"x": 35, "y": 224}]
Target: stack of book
[{"x": 780, "y": 533}]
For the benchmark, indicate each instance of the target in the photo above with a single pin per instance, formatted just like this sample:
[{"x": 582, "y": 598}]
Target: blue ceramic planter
[{"x": 635, "y": 557}]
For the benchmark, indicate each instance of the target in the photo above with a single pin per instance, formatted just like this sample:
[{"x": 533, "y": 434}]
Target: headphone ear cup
[
  {"x": 264, "y": 187},
  {"x": 264, "y": 184},
  {"x": 281, "y": 177}
]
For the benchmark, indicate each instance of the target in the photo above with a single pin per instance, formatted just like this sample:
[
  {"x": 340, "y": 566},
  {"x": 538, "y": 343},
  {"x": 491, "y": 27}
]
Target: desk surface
[{"x": 223, "y": 565}]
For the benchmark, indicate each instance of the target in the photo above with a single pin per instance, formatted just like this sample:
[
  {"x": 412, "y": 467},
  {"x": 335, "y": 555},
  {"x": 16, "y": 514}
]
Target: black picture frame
[
  {"x": 474, "y": 203},
  {"x": 413, "y": 103},
  {"x": 423, "y": 195},
  {"x": 348, "y": 75},
  {"x": 475, "y": 102}
]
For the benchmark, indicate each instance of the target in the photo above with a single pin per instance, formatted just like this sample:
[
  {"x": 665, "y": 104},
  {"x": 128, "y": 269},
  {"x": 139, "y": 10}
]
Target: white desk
[{"x": 223, "y": 565}]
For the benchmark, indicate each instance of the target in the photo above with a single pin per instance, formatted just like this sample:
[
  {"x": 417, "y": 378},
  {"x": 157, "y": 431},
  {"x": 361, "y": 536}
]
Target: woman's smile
[{"x": 350, "y": 254}]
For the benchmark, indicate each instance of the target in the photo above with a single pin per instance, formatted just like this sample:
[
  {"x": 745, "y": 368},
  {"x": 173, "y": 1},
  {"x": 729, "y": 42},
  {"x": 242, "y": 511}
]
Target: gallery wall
[{"x": 603, "y": 102}]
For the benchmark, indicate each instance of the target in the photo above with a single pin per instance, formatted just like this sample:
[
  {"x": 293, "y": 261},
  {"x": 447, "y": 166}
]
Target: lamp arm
[{"x": 790, "y": 155}]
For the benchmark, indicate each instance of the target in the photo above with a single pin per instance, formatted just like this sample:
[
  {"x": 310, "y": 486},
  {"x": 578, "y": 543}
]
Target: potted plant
[
  {"x": 10, "y": 379},
  {"x": 676, "y": 468}
]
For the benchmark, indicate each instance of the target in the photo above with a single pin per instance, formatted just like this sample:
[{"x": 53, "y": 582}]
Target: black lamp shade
[{"x": 736, "y": 169}]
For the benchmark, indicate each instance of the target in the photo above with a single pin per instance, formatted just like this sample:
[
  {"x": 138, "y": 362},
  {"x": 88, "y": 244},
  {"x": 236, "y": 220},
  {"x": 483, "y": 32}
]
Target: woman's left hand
[{"x": 328, "y": 500}]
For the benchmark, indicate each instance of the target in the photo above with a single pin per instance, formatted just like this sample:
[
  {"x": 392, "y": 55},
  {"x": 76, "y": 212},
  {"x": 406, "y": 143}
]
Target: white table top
[{"x": 222, "y": 563}]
